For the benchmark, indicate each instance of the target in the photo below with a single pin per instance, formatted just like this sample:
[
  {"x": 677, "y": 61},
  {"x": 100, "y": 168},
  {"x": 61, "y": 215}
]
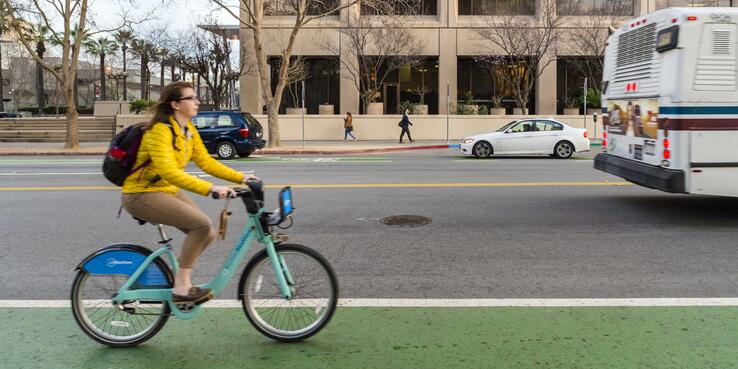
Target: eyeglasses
[{"x": 190, "y": 98}]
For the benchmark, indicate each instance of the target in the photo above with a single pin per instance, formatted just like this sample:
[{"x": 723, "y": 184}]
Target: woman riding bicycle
[{"x": 154, "y": 193}]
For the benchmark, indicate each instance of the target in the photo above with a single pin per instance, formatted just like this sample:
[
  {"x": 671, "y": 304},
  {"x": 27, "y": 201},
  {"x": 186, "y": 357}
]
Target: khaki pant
[{"x": 178, "y": 211}]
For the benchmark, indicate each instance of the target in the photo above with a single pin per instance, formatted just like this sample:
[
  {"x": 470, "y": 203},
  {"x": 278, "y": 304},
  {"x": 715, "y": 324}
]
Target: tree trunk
[
  {"x": 273, "y": 122},
  {"x": 103, "y": 95},
  {"x": 40, "y": 86},
  {"x": 143, "y": 81},
  {"x": 2, "y": 93},
  {"x": 72, "y": 116},
  {"x": 125, "y": 71}
]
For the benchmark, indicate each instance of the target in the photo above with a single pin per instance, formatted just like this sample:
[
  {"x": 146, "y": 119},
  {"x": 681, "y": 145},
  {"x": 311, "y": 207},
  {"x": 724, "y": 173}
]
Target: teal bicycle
[{"x": 122, "y": 293}]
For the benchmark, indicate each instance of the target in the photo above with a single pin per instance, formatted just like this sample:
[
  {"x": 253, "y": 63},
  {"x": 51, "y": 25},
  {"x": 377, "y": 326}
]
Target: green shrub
[
  {"x": 140, "y": 106},
  {"x": 410, "y": 106}
]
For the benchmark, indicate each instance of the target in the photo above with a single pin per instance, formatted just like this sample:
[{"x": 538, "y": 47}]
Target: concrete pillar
[
  {"x": 349, "y": 91},
  {"x": 447, "y": 68},
  {"x": 546, "y": 90},
  {"x": 251, "y": 100}
]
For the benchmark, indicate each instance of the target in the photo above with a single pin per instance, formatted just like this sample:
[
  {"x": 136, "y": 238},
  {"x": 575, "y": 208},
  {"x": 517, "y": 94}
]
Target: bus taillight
[
  {"x": 666, "y": 143},
  {"x": 604, "y": 139},
  {"x": 667, "y": 154},
  {"x": 585, "y": 133}
]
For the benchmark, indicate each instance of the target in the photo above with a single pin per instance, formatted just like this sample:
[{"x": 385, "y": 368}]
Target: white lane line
[
  {"x": 602, "y": 302},
  {"x": 16, "y": 174}
]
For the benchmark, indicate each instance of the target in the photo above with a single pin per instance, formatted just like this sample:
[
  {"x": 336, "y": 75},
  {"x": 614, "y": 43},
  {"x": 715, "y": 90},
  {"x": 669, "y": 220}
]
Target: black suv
[{"x": 229, "y": 133}]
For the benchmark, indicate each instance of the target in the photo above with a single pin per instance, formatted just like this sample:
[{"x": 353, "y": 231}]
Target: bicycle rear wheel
[
  {"x": 124, "y": 325},
  {"x": 314, "y": 300}
]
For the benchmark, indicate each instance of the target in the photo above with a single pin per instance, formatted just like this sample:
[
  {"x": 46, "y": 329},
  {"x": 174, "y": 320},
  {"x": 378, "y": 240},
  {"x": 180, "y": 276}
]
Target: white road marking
[
  {"x": 595, "y": 302},
  {"x": 24, "y": 174}
]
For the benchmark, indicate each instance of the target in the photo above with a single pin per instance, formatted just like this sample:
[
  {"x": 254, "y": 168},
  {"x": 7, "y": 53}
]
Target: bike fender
[{"x": 124, "y": 259}]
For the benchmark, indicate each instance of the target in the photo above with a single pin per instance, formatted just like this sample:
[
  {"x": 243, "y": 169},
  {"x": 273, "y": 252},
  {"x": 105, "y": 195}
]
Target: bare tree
[
  {"x": 378, "y": 46},
  {"x": 520, "y": 47},
  {"x": 589, "y": 32},
  {"x": 254, "y": 12},
  {"x": 208, "y": 55},
  {"x": 73, "y": 15}
]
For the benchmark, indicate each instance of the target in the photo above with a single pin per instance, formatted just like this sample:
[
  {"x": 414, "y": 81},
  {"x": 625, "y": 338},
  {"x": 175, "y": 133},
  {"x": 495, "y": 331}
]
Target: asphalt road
[{"x": 526, "y": 239}]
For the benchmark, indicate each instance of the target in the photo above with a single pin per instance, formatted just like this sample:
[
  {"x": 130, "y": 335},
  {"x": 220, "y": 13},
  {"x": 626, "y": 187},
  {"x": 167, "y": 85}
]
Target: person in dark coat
[{"x": 405, "y": 125}]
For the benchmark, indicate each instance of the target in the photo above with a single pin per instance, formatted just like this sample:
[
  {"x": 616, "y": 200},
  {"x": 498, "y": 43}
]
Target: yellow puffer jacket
[{"x": 169, "y": 163}]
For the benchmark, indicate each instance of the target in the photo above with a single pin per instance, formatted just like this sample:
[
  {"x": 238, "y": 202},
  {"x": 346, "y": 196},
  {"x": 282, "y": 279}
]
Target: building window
[
  {"x": 416, "y": 7},
  {"x": 406, "y": 84},
  {"x": 497, "y": 7},
  {"x": 595, "y": 7},
  {"x": 481, "y": 83},
  {"x": 287, "y": 7},
  {"x": 321, "y": 76},
  {"x": 661, "y": 4},
  {"x": 570, "y": 74}
]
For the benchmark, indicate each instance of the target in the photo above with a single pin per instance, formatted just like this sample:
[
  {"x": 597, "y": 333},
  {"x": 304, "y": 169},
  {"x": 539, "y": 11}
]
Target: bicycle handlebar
[{"x": 253, "y": 196}]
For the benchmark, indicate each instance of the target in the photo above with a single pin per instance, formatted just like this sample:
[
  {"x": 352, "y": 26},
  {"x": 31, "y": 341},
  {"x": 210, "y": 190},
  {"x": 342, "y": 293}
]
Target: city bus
[{"x": 670, "y": 104}]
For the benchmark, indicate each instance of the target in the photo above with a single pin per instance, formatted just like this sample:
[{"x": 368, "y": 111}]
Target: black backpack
[{"x": 121, "y": 156}]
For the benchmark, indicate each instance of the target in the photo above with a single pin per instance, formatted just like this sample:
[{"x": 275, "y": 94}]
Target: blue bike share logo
[{"x": 112, "y": 262}]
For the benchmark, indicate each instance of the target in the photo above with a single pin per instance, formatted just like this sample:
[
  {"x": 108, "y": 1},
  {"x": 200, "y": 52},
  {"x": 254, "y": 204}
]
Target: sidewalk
[{"x": 287, "y": 147}]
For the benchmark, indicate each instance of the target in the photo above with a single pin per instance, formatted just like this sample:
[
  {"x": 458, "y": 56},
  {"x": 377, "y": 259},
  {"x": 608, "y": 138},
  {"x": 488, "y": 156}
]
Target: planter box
[
  {"x": 325, "y": 109},
  {"x": 421, "y": 109},
  {"x": 591, "y": 111},
  {"x": 375, "y": 109},
  {"x": 571, "y": 111},
  {"x": 519, "y": 111},
  {"x": 296, "y": 111},
  {"x": 497, "y": 111}
]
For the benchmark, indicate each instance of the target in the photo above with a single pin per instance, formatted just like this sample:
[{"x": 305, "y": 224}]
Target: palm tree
[
  {"x": 39, "y": 34},
  {"x": 101, "y": 47},
  {"x": 146, "y": 52},
  {"x": 123, "y": 38}
]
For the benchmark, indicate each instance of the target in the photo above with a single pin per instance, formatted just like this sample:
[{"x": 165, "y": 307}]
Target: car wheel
[
  {"x": 482, "y": 149},
  {"x": 563, "y": 150},
  {"x": 245, "y": 154},
  {"x": 225, "y": 150}
]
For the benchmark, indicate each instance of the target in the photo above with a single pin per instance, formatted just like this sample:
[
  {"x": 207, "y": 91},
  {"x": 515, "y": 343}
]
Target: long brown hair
[{"x": 163, "y": 109}]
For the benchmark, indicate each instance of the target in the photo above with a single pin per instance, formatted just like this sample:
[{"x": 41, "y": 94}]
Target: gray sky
[{"x": 179, "y": 15}]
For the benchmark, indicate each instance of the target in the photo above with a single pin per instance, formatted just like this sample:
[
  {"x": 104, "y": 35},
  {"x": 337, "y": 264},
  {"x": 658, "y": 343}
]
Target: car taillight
[
  {"x": 585, "y": 133},
  {"x": 244, "y": 132}
]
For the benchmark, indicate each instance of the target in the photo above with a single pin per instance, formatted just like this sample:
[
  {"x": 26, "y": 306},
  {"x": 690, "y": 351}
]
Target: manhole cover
[{"x": 405, "y": 221}]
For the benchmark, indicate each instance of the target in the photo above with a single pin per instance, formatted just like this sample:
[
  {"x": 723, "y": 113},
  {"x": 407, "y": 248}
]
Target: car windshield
[{"x": 506, "y": 126}]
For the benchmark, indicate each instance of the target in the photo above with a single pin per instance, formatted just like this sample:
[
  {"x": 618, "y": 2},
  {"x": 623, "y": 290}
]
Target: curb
[
  {"x": 260, "y": 152},
  {"x": 356, "y": 151}
]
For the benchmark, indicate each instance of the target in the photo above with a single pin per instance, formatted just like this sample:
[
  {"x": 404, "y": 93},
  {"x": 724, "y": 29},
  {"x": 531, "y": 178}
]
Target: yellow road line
[{"x": 358, "y": 185}]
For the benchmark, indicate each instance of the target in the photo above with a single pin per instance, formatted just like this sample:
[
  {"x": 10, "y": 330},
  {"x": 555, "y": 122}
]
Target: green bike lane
[{"x": 398, "y": 337}]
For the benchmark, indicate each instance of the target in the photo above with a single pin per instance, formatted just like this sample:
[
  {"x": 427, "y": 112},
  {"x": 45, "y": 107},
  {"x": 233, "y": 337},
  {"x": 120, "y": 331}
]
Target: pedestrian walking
[
  {"x": 405, "y": 125},
  {"x": 348, "y": 127}
]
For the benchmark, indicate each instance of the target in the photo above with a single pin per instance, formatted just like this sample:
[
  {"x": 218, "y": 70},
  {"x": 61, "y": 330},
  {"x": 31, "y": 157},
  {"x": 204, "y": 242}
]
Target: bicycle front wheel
[{"x": 314, "y": 294}]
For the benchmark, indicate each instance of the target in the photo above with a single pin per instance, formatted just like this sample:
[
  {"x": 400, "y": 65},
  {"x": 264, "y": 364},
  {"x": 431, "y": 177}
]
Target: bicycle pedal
[{"x": 280, "y": 237}]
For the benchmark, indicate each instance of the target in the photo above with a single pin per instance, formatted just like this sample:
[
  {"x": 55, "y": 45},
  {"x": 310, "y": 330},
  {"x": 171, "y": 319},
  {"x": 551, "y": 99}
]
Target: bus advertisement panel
[{"x": 636, "y": 118}]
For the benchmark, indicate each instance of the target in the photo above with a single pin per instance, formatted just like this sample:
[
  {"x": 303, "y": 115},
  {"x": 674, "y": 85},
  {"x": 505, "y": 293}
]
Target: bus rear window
[{"x": 667, "y": 39}]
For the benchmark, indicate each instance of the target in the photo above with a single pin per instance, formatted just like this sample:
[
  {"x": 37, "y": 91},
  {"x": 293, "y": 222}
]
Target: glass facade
[
  {"x": 595, "y": 7},
  {"x": 407, "y": 84},
  {"x": 570, "y": 74},
  {"x": 287, "y": 7},
  {"x": 479, "y": 83},
  {"x": 414, "y": 7},
  {"x": 497, "y": 7},
  {"x": 661, "y": 4},
  {"x": 322, "y": 84}
]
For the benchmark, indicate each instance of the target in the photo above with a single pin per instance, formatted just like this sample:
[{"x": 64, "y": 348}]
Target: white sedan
[{"x": 528, "y": 136}]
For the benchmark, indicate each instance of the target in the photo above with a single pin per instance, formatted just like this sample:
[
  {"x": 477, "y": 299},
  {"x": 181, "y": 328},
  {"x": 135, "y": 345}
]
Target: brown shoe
[{"x": 195, "y": 296}]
